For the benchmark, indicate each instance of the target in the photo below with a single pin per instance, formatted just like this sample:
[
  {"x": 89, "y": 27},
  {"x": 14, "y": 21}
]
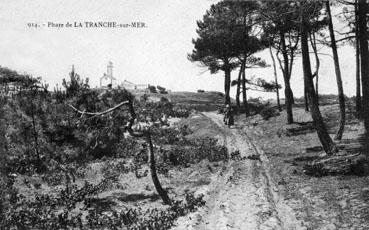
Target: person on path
[{"x": 228, "y": 116}]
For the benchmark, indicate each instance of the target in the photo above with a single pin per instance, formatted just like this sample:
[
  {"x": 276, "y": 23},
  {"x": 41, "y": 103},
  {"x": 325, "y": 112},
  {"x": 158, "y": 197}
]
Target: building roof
[
  {"x": 128, "y": 82},
  {"x": 107, "y": 77}
]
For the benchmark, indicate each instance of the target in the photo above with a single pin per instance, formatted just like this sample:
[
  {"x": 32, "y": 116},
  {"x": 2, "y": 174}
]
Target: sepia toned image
[{"x": 184, "y": 115}]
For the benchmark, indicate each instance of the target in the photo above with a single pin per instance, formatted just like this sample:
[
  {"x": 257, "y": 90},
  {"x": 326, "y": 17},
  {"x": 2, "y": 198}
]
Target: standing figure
[{"x": 228, "y": 116}]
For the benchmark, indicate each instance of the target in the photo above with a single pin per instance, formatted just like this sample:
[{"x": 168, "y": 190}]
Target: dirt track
[{"x": 242, "y": 196}]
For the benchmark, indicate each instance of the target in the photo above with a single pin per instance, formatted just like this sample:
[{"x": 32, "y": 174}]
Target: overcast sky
[{"x": 156, "y": 54}]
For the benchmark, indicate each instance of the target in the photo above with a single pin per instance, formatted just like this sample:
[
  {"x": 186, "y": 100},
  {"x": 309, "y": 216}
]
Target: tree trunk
[
  {"x": 286, "y": 77},
  {"x": 358, "y": 79},
  {"x": 244, "y": 96},
  {"x": 317, "y": 60},
  {"x": 326, "y": 141},
  {"x": 289, "y": 77},
  {"x": 306, "y": 100},
  {"x": 289, "y": 102},
  {"x": 227, "y": 85},
  {"x": 317, "y": 87},
  {"x": 364, "y": 54},
  {"x": 238, "y": 91},
  {"x": 162, "y": 193},
  {"x": 341, "y": 96},
  {"x": 275, "y": 79}
]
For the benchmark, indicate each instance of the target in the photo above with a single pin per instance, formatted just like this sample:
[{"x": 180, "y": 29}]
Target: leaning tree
[
  {"x": 136, "y": 129},
  {"x": 327, "y": 143}
]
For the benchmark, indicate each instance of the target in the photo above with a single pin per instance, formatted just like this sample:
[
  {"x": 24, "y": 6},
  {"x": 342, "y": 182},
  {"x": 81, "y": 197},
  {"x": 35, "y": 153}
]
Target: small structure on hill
[
  {"x": 132, "y": 86},
  {"x": 12, "y": 83},
  {"x": 8, "y": 89}
]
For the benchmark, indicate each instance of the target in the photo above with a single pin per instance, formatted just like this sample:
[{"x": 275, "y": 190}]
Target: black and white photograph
[{"x": 184, "y": 114}]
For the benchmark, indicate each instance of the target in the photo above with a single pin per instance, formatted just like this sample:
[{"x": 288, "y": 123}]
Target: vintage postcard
[{"x": 170, "y": 114}]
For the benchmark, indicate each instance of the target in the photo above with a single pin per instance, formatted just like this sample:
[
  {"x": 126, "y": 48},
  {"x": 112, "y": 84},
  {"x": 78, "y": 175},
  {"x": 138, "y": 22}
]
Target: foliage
[
  {"x": 152, "y": 89},
  {"x": 41, "y": 128},
  {"x": 223, "y": 35},
  {"x": 259, "y": 84},
  {"x": 11, "y": 76},
  {"x": 281, "y": 19},
  {"x": 56, "y": 212},
  {"x": 66, "y": 142},
  {"x": 144, "y": 97},
  {"x": 75, "y": 84},
  {"x": 162, "y": 90},
  {"x": 269, "y": 112},
  {"x": 185, "y": 152}
]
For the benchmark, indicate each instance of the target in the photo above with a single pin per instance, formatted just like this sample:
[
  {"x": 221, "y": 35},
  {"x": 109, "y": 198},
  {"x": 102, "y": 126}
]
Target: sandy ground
[
  {"x": 244, "y": 196},
  {"x": 273, "y": 192},
  {"x": 331, "y": 202}
]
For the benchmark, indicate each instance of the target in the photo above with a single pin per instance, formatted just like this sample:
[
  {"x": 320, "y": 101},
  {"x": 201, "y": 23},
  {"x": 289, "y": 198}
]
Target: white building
[
  {"x": 107, "y": 78},
  {"x": 132, "y": 86}
]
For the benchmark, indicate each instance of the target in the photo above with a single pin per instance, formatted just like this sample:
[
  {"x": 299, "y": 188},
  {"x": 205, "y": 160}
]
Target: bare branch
[
  {"x": 99, "y": 113},
  {"x": 129, "y": 125},
  {"x": 345, "y": 38},
  {"x": 280, "y": 62},
  {"x": 346, "y": 2}
]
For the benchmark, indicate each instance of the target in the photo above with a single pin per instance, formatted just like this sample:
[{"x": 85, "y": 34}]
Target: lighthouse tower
[{"x": 109, "y": 72}]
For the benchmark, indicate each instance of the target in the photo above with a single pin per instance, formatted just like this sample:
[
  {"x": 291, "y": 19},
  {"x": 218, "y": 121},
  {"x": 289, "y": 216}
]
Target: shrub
[
  {"x": 136, "y": 218},
  {"x": 144, "y": 97},
  {"x": 75, "y": 84},
  {"x": 267, "y": 113},
  {"x": 152, "y": 89},
  {"x": 164, "y": 100},
  {"x": 162, "y": 90},
  {"x": 59, "y": 212},
  {"x": 185, "y": 152},
  {"x": 180, "y": 112}
]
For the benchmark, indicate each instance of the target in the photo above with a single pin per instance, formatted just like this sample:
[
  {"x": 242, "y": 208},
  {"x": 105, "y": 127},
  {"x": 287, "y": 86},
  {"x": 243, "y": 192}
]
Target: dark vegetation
[
  {"x": 158, "y": 89},
  {"x": 42, "y": 137}
]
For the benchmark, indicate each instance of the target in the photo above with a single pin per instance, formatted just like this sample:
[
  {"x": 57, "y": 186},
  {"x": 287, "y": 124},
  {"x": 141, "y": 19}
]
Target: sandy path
[{"x": 243, "y": 196}]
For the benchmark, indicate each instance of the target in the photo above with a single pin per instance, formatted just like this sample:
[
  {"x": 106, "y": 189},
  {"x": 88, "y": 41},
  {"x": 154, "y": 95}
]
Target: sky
[{"x": 155, "y": 54}]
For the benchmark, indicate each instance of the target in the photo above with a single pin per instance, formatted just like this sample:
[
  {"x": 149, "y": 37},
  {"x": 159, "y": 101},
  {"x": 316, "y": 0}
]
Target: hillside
[{"x": 206, "y": 101}]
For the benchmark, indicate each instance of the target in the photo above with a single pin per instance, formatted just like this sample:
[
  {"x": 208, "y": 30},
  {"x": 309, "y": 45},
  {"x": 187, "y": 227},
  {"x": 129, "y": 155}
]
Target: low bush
[
  {"x": 59, "y": 212},
  {"x": 180, "y": 112},
  {"x": 193, "y": 151},
  {"x": 152, "y": 89},
  {"x": 267, "y": 113}
]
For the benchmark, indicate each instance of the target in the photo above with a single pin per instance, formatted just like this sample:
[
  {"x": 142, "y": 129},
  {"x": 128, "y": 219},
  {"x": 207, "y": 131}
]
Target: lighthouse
[
  {"x": 109, "y": 72},
  {"x": 107, "y": 78}
]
